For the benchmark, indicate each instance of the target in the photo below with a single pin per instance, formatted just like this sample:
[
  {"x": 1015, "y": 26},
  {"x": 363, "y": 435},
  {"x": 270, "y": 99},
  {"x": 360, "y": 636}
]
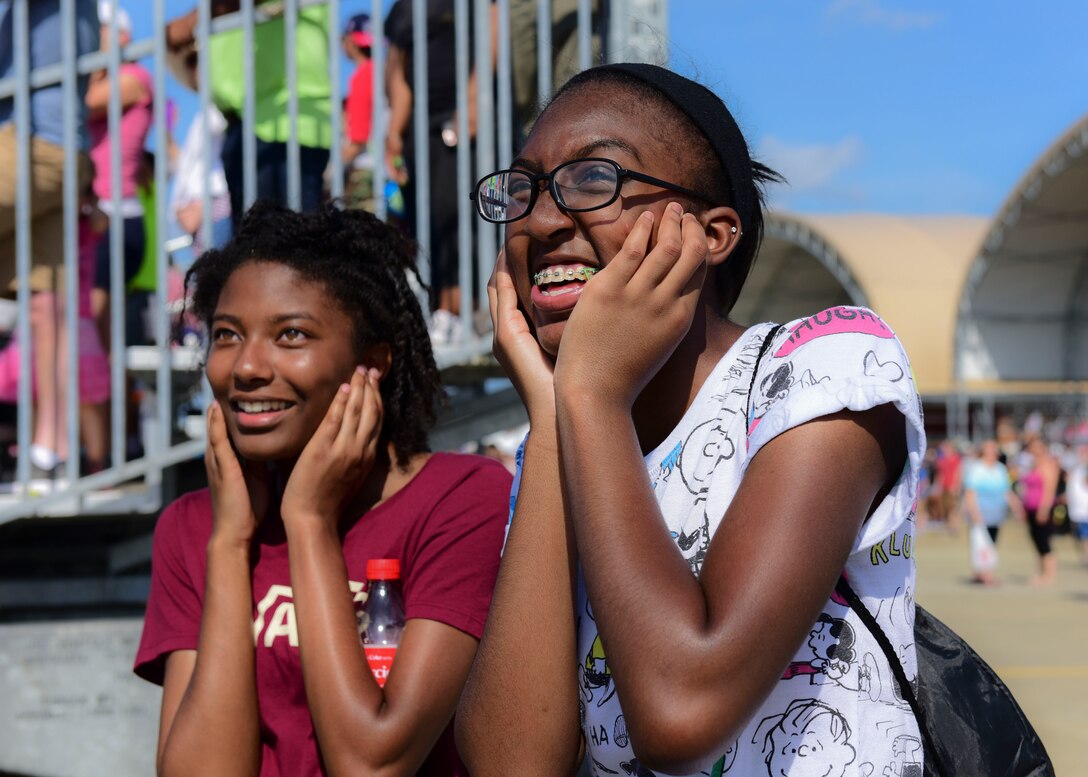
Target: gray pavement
[{"x": 1036, "y": 639}]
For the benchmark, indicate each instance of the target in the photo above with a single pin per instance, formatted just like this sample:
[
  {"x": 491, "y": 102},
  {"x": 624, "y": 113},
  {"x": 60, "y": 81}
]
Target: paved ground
[{"x": 1035, "y": 638}]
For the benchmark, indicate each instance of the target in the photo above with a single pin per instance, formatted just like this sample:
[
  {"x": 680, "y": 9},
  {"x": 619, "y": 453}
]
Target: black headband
[{"x": 709, "y": 114}]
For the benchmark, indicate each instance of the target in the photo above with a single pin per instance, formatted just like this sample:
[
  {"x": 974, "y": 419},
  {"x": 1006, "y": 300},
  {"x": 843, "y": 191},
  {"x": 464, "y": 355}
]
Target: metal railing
[{"x": 160, "y": 366}]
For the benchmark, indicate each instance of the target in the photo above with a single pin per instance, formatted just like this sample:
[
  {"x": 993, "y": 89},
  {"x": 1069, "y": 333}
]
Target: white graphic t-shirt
[{"x": 837, "y": 709}]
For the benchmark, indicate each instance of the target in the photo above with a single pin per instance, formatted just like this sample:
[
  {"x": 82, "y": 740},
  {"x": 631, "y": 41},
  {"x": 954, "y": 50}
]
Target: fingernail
[
  {"x": 647, "y": 215},
  {"x": 375, "y": 375},
  {"x": 676, "y": 208},
  {"x": 345, "y": 388},
  {"x": 361, "y": 370}
]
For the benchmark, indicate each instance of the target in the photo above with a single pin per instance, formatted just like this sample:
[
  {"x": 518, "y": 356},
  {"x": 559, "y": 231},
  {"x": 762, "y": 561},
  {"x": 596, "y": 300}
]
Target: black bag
[{"x": 969, "y": 720}]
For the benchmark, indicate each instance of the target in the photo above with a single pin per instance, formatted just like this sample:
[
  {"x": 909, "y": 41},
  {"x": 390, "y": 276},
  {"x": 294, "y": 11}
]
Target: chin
[
  {"x": 264, "y": 448},
  {"x": 550, "y": 336}
]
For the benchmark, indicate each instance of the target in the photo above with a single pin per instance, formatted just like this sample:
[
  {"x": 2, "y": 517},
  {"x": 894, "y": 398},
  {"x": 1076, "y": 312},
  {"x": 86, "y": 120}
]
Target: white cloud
[
  {"x": 812, "y": 166},
  {"x": 875, "y": 13}
]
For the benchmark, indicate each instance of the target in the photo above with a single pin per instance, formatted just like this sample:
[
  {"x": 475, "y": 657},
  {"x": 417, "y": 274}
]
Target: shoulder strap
[
  {"x": 905, "y": 689},
  {"x": 763, "y": 348}
]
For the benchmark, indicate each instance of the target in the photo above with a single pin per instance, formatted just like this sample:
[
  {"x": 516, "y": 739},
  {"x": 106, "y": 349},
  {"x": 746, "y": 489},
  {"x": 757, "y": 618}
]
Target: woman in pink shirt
[
  {"x": 1038, "y": 489},
  {"x": 136, "y": 105}
]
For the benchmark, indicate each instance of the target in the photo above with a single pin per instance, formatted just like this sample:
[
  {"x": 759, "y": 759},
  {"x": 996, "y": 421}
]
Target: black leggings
[{"x": 1040, "y": 532}]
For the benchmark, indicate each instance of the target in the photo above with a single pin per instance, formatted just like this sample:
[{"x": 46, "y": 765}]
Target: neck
[{"x": 671, "y": 391}]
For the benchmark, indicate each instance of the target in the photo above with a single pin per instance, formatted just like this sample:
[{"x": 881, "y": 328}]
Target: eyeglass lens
[{"x": 582, "y": 184}]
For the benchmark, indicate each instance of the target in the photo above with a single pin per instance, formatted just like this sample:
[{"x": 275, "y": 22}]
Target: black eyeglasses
[{"x": 577, "y": 186}]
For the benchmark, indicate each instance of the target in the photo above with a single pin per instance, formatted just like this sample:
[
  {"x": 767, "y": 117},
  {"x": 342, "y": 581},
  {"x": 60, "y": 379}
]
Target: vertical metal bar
[
  {"x": 378, "y": 128},
  {"x": 117, "y": 247},
  {"x": 249, "y": 111},
  {"x": 21, "y": 51},
  {"x": 485, "y": 155},
  {"x": 506, "y": 89},
  {"x": 163, "y": 380},
  {"x": 421, "y": 113},
  {"x": 294, "y": 180},
  {"x": 464, "y": 160},
  {"x": 585, "y": 35},
  {"x": 544, "y": 49},
  {"x": 336, "y": 185},
  {"x": 204, "y": 89},
  {"x": 72, "y": 116},
  {"x": 617, "y": 28}
]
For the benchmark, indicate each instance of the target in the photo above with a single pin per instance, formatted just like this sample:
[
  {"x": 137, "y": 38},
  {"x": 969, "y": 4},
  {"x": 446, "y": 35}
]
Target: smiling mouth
[
  {"x": 553, "y": 275},
  {"x": 263, "y": 406}
]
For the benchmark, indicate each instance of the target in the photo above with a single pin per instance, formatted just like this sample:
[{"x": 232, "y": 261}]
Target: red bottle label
[{"x": 380, "y": 659}]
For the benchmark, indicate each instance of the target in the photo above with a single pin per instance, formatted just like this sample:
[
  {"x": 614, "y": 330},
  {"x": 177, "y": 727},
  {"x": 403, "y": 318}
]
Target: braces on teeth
[{"x": 550, "y": 276}]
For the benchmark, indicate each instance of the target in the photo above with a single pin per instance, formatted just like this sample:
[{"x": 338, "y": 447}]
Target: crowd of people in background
[{"x": 1035, "y": 472}]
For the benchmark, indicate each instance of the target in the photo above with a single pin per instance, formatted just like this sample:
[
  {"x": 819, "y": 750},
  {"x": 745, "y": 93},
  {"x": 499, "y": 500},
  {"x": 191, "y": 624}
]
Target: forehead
[
  {"x": 605, "y": 116},
  {"x": 268, "y": 287}
]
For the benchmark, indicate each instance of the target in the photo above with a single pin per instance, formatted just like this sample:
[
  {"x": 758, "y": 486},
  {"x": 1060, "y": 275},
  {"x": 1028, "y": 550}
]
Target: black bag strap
[
  {"x": 763, "y": 348},
  {"x": 905, "y": 689}
]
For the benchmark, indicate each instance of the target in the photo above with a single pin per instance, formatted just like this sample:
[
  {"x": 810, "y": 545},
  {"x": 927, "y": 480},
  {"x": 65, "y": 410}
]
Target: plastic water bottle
[{"x": 385, "y": 615}]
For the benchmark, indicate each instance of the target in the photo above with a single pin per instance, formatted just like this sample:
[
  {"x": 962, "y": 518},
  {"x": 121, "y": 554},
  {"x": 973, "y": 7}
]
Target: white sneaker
[{"x": 445, "y": 328}]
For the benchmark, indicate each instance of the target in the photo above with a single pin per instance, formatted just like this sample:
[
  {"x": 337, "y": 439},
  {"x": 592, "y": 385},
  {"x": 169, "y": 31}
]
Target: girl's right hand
[
  {"x": 515, "y": 346},
  {"x": 241, "y": 493}
]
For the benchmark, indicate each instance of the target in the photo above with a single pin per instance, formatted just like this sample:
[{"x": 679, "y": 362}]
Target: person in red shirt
[
  {"x": 358, "y": 114},
  {"x": 324, "y": 387}
]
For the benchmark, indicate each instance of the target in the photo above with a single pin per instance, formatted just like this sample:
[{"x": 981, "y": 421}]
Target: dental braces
[{"x": 550, "y": 276}]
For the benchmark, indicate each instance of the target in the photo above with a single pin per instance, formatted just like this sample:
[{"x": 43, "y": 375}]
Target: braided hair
[{"x": 364, "y": 265}]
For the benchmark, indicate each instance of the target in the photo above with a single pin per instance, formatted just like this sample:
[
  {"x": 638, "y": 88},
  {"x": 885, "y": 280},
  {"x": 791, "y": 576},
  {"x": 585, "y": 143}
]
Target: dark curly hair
[{"x": 364, "y": 265}]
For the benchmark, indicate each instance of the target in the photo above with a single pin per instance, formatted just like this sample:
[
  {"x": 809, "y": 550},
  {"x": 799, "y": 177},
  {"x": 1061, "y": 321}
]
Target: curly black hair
[{"x": 364, "y": 264}]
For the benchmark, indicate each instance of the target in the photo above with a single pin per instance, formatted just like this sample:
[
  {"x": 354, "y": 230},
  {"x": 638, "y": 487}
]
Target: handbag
[
  {"x": 968, "y": 718},
  {"x": 971, "y": 725},
  {"x": 983, "y": 552}
]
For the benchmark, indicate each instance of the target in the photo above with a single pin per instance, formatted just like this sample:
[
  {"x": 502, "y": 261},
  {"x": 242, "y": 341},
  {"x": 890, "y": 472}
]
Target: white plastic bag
[{"x": 983, "y": 552}]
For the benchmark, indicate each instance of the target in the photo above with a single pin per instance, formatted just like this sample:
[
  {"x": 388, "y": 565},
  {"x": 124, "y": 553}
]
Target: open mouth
[
  {"x": 561, "y": 279},
  {"x": 259, "y": 412}
]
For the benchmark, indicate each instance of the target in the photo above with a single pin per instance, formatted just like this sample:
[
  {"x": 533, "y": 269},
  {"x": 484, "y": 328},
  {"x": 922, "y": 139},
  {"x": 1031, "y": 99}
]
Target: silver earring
[{"x": 733, "y": 230}]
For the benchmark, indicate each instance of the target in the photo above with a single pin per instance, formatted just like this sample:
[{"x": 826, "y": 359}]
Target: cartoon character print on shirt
[
  {"x": 808, "y": 737},
  {"x": 832, "y": 643},
  {"x": 907, "y": 752},
  {"x": 890, "y": 371},
  {"x": 706, "y": 447},
  {"x": 595, "y": 676},
  {"x": 725, "y": 763},
  {"x": 777, "y": 386}
]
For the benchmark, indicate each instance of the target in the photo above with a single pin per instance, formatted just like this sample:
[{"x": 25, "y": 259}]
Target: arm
[
  {"x": 970, "y": 505},
  {"x": 361, "y": 728},
  {"x": 400, "y": 107},
  {"x": 678, "y": 712},
  {"x": 181, "y": 31},
  {"x": 519, "y": 711},
  {"x": 98, "y": 93},
  {"x": 209, "y": 722},
  {"x": 1051, "y": 475}
]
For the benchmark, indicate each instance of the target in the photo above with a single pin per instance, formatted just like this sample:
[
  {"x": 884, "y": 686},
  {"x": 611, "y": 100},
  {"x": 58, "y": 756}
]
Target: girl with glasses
[{"x": 691, "y": 488}]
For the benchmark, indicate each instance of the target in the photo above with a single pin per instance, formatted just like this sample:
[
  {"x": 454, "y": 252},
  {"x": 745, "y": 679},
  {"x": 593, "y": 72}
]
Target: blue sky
[
  {"x": 872, "y": 105},
  {"x": 896, "y": 107}
]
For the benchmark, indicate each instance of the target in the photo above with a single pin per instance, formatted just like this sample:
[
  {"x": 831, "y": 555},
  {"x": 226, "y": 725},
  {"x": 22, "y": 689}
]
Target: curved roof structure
[
  {"x": 909, "y": 269},
  {"x": 1023, "y": 311}
]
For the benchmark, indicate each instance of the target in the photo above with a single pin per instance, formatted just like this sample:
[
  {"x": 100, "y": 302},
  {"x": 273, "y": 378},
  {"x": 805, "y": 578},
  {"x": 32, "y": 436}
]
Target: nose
[
  {"x": 253, "y": 366},
  {"x": 547, "y": 219}
]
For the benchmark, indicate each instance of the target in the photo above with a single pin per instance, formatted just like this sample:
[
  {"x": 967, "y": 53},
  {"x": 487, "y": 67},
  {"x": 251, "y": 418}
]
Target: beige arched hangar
[
  {"x": 1022, "y": 324},
  {"x": 911, "y": 270}
]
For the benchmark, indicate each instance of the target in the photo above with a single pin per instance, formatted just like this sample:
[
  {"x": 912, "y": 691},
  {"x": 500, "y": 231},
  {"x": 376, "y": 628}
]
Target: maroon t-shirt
[{"x": 446, "y": 527}]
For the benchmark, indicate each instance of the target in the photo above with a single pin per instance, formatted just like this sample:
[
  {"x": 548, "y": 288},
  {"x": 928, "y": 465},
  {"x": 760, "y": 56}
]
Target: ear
[
  {"x": 378, "y": 357},
  {"x": 723, "y": 233}
]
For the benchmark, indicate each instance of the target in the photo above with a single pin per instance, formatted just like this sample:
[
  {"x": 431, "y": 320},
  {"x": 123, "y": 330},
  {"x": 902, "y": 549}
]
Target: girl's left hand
[
  {"x": 635, "y": 311},
  {"x": 339, "y": 456}
]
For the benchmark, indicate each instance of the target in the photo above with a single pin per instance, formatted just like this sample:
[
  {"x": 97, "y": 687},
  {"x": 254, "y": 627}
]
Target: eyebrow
[
  {"x": 277, "y": 319},
  {"x": 583, "y": 151}
]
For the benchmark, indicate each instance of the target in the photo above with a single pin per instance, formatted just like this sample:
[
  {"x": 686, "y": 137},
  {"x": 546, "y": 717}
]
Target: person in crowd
[
  {"x": 324, "y": 386},
  {"x": 1038, "y": 487},
  {"x": 1077, "y": 498},
  {"x": 691, "y": 489},
  {"x": 48, "y": 448},
  {"x": 442, "y": 142},
  {"x": 988, "y": 496},
  {"x": 358, "y": 114},
  {"x": 136, "y": 97},
  {"x": 190, "y": 175},
  {"x": 948, "y": 485},
  {"x": 272, "y": 124}
]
